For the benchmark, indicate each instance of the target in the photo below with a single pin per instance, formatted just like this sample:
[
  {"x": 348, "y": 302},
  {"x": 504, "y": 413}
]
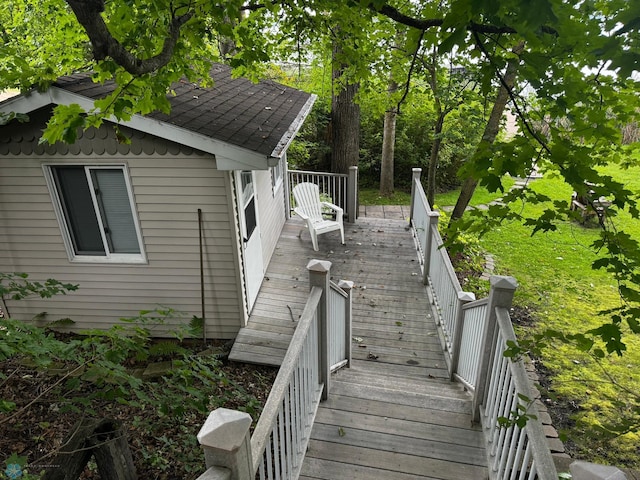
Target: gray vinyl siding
[
  {"x": 167, "y": 190},
  {"x": 272, "y": 213}
]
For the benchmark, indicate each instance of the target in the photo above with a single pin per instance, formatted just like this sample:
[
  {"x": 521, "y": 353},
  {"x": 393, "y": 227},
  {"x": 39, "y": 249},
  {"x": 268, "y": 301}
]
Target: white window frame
[
  {"x": 277, "y": 175},
  {"x": 127, "y": 258}
]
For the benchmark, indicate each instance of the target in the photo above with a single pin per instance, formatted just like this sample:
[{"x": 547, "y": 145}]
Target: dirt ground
[{"x": 38, "y": 432}]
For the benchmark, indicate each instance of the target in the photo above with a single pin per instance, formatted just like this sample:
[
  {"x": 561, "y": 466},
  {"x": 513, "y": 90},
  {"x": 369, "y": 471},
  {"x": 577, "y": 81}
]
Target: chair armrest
[
  {"x": 333, "y": 207},
  {"x": 298, "y": 211}
]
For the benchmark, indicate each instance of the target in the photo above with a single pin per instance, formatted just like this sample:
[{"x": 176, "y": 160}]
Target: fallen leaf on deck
[{"x": 341, "y": 431}]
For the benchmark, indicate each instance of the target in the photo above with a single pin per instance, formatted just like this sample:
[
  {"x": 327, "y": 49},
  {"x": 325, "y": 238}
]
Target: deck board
[{"x": 393, "y": 417}]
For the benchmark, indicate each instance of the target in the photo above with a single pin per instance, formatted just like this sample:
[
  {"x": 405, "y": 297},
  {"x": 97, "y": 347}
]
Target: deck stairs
[{"x": 394, "y": 414}]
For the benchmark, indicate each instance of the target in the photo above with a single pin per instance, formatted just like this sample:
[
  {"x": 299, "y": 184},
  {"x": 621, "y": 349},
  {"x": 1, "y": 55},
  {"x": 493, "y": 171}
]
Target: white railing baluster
[
  {"x": 269, "y": 455},
  {"x": 519, "y": 454},
  {"x": 288, "y": 430}
]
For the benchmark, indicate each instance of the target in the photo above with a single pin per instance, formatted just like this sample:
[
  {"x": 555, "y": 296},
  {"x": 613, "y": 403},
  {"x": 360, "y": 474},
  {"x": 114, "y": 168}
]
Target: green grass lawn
[
  {"x": 371, "y": 196},
  {"x": 556, "y": 280}
]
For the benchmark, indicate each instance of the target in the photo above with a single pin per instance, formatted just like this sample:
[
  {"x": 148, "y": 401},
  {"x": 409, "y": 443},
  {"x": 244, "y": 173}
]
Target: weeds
[{"x": 46, "y": 378}]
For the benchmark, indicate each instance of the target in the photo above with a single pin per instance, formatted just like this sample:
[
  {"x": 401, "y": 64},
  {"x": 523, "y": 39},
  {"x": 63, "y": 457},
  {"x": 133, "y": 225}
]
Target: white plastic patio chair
[{"x": 309, "y": 207}]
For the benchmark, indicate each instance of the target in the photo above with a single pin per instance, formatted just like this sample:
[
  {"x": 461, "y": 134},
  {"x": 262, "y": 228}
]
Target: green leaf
[
  {"x": 456, "y": 38},
  {"x": 6, "y": 406}
]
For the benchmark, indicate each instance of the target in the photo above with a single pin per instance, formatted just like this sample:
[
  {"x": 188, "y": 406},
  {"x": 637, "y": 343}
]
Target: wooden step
[
  {"x": 403, "y": 384},
  {"x": 262, "y": 347}
]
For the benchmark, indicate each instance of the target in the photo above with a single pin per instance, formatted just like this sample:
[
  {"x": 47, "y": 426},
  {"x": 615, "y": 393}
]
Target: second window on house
[{"x": 97, "y": 207}]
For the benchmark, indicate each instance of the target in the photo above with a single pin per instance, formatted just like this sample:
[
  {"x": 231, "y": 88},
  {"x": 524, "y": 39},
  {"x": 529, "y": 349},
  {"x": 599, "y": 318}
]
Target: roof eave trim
[
  {"x": 294, "y": 128},
  {"x": 229, "y": 157},
  {"x": 27, "y": 102}
]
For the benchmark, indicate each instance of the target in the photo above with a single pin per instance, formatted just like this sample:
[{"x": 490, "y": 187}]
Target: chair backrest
[{"x": 307, "y": 196}]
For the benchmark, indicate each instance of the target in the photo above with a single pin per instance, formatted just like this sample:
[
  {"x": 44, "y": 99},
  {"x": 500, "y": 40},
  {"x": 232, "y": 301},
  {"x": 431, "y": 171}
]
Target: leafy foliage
[{"x": 99, "y": 368}]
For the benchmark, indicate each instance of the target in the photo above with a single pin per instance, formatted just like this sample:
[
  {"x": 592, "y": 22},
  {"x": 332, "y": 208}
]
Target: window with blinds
[{"x": 96, "y": 207}]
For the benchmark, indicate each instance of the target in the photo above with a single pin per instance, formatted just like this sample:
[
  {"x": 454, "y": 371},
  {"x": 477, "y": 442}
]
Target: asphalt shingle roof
[{"x": 256, "y": 116}]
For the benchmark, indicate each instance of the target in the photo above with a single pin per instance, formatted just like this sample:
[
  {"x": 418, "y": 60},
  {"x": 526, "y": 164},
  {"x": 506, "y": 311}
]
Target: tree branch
[
  {"x": 88, "y": 13},
  {"x": 410, "y": 73},
  {"x": 509, "y": 89},
  {"x": 425, "y": 24}
]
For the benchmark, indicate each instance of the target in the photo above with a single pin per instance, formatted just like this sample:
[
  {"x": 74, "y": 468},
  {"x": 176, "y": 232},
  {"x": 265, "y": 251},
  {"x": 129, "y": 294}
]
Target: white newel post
[
  {"x": 432, "y": 225},
  {"x": 501, "y": 295},
  {"x": 347, "y": 286},
  {"x": 352, "y": 195},
  {"x": 415, "y": 177},
  {"x": 319, "y": 277},
  {"x": 226, "y": 442},
  {"x": 463, "y": 298}
]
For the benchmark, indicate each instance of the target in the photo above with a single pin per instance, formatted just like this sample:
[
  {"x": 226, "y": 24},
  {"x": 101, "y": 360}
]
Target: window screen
[
  {"x": 115, "y": 209},
  {"x": 97, "y": 210}
]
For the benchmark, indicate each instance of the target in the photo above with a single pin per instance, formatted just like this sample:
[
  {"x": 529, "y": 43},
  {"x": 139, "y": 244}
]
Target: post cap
[
  {"x": 503, "y": 282},
  {"x": 224, "y": 429},
  {"x": 320, "y": 266},
  {"x": 466, "y": 296}
]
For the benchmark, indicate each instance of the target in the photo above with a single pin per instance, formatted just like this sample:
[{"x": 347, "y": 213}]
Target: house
[{"x": 185, "y": 215}]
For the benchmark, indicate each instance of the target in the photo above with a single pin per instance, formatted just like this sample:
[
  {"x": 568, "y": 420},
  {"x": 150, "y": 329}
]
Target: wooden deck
[{"x": 394, "y": 414}]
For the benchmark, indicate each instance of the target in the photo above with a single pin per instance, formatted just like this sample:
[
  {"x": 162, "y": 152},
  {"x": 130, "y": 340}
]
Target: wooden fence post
[
  {"x": 319, "y": 277},
  {"x": 501, "y": 295},
  {"x": 106, "y": 440},
  {"x": 352, "y": 196},
  {"x": 347, "y": 286},
  {"x": 226, "y": 442},
  {"x": 415, "y": 176}
]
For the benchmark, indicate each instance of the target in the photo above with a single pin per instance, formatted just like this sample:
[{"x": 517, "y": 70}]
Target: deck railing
[
  {"x": 474, "y": 334},
  {"x": 514, "y": 450},
  {"x": 279, "y": 440},
  {"x": 342, "y": 189},
  {"x": 438, "y": 274},
  {"x": 278, "y": 444}
]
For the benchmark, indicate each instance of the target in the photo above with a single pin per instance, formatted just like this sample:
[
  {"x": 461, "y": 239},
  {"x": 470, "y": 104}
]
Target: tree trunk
[
  {"x": 388, "y": 147},
  {"x": 104, "y": 439},
  {"x": 74, "y": 453},
  {"x": 490, "y": 130},
  {"x": 345, "y": 123},
  {"x": 433, "y": 158},
  {"x": 437, "y": 129},
  {"x": 112, "y": 453}
]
